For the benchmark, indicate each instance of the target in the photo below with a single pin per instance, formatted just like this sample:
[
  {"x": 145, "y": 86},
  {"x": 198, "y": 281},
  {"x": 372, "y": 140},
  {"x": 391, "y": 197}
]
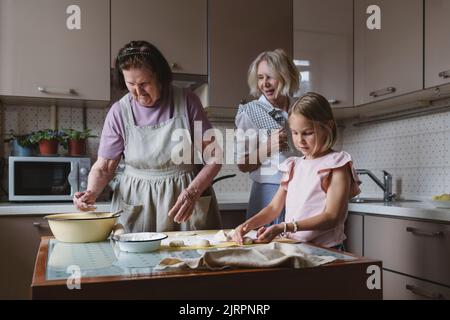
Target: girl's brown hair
[{"x": 317, "y": 109}]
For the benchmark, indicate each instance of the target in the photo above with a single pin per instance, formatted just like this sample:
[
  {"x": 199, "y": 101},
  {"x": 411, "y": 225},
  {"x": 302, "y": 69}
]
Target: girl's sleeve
[
  {"x": 339, "y": 160},
  {"x": 287, "y": 169}
]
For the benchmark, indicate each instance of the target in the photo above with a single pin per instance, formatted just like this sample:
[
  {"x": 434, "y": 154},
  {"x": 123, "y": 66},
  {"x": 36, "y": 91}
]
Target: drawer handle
[
  {"x": 438, "y": 234},
  {"x": 424, "y": 293},
  {"x": 382, "y": 92},
  {"x": 444, "y": 74}
]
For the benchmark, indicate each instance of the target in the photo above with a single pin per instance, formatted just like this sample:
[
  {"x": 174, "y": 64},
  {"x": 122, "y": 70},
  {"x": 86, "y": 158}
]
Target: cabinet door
[
  {"x": 238, "y": 32},
  {"x": 323, "y": 48},
  {"x": 420, "y": 249},
  {"x": 400, "y": 287},
  {"x": 437, "y": 44},
  {"x": 388, "y": 61},
  {"x": 354, "y": 233},
  {"x": 176, "y": 27},
  {"x": 19, "y": 242},
  {"x": 38, "y": 50}
]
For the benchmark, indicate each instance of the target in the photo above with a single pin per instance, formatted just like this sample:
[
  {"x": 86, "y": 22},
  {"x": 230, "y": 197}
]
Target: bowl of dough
[
  {"x": 441, "y": 200},
  {"x": 82, "y": 227},
  {"x": 139, "y": 242}
]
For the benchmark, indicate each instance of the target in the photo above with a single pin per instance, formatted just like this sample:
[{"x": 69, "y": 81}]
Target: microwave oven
[{"x": 46, "y": 178}]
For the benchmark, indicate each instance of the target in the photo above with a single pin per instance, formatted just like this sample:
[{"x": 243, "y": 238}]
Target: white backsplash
[{"x": 415, "y": 151}]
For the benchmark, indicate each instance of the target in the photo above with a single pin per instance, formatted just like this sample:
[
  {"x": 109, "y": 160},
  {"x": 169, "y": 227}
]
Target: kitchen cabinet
[
  {"x": 178, "y": 28},
  {"x": 232, "y": 218},
  {"x": 19, "y": 244},
  {"x": 418, "y": 250},
  {"x": 354, "y": 232},
  {"x": 437, "y": 46},
  {"x": 323, "y": 48},
  {"x": 51, "y": 49},
  {"x": 389, "y": 60},
  {"x": 238, "y": 32}
]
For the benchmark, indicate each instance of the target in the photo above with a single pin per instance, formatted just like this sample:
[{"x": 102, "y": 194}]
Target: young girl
[{"x": 315, "y": 188}]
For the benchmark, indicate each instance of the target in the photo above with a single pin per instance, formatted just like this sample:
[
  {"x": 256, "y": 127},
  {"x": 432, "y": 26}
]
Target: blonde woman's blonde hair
[
  {"x": 317, "y": 109},
  {"x": 283, "y": 70}
]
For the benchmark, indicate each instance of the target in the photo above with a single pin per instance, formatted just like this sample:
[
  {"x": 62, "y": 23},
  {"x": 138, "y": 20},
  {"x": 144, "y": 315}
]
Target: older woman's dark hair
[{"x": 142, "y": 54}]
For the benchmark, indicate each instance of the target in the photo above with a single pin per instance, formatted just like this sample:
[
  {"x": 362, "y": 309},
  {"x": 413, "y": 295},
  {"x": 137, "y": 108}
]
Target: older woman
[
  {"x": 155, "y": 191},
  {"x": 273, "y": 79}
]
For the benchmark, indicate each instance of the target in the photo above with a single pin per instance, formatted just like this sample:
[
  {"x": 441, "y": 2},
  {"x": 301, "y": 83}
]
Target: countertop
[
  {"x": 238, "y": 201},
  {"x": 228, "y": 201},
  {"x": 422, "y": 210}
]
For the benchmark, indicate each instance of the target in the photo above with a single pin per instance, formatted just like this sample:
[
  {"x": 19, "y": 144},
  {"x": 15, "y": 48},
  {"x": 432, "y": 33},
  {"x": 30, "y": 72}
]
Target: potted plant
[
  {"x": 75, "y": 141},
  {"x": 21, "y": 145},
  {"x": 48, "y": 140}
]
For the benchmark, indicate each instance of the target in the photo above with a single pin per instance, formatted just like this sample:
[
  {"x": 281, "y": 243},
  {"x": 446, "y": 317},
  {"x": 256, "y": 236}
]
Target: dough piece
[
  {"x": 203, "y": 243},
  {"x": 248, "y": 240},
  {"x": 185, "y": 234},
  {"x": 176, "y": 243}
]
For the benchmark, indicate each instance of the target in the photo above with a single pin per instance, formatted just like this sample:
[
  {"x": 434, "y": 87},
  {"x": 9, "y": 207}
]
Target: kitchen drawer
[
  {"x": 417, "y": 248},
  {"x": 397, "y": 286}
]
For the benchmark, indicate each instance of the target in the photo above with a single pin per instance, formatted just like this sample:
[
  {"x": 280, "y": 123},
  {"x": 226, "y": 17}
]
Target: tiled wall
[{"x": 415, "y": 151}]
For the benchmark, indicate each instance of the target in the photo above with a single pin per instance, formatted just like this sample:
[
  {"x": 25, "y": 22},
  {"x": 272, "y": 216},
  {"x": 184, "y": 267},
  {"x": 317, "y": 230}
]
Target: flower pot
[
  {"x": 48, "y": 147},
  {"x": 77, "y": 147},
  {"x": 19, "y": 151}
]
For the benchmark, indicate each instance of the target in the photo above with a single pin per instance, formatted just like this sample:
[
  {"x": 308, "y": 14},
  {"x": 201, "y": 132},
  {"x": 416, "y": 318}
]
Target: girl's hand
[
  {"x": 269, "y": 233},
  {"x": 239, "y": 233},
  {"x": 183, "y": 208},
  {"x": 84, "y": 201}
]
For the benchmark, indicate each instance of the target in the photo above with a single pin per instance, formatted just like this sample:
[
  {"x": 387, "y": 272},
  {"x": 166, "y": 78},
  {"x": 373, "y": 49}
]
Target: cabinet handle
[
  {"x": 69, "y": 92},
  {"x": 382, "y": 92},
  {"x": 333, "y": 101},
  {"x": 40, "y": 225},
  {"x": 174, "y": 65},
  {"x": 438, "y": 234},
  {"x": 424, "y": 293},
  {"x": 444, "y": 74}
]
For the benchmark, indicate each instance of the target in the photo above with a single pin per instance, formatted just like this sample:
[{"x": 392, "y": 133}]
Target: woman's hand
[
  {"x": 84, "y": 201},
  {"x": 183, "y": 208},
  {"x": 267, "y": 234},
  {"x": 239, "y": 233},
  {"x": 277, "y": 142}
]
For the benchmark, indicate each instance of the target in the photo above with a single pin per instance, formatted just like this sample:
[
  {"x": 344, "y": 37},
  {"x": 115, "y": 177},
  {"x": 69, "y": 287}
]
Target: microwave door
[{"x": 43, "y": 180}]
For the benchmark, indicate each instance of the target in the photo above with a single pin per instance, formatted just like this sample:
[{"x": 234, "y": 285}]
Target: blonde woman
[{"x": 273, "y": 79}]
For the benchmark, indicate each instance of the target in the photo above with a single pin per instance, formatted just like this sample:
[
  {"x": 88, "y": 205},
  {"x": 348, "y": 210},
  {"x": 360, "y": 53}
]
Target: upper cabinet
[
  {"x": 437, "y": 44},
  {"x": 323, "y": 48},
  {"x": 55, "y": 49},
  {"x": 238, "y": 31},
  {"x": 389, "y": 60},
  {"x": 176, "y": 27}
]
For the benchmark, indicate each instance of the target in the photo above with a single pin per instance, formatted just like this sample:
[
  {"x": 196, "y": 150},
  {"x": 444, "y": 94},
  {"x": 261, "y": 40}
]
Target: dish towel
[{"x": 263, "y": 256}]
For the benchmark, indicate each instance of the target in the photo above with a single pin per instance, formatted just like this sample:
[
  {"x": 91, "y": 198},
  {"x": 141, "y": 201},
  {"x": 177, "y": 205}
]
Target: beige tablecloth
[{"x": 262, "y": 256}]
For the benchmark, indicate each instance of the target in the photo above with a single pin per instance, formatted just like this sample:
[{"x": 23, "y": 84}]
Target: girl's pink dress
[{"x": 306, "y": 182}]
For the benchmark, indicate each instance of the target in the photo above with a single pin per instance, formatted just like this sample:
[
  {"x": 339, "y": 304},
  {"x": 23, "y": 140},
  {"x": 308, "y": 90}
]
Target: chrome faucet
[{"x": 386, "y": 186}]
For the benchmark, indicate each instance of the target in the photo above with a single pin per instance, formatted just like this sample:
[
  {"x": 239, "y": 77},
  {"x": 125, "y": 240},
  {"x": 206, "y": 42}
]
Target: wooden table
[{"x": 340, "y": 279}]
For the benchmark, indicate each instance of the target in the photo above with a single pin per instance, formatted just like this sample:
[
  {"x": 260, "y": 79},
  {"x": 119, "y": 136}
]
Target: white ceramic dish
[
  {"x": 440, "y": 203},
  {"x": 82, "y": 227},
  {"x": 140, "y": 241}
]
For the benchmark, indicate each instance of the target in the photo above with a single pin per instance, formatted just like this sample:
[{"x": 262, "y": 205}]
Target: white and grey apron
[{"x": 151, "y": 182}]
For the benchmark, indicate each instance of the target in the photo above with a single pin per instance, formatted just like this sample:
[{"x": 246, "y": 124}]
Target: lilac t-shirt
[{"x": 113, "y": 134}]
